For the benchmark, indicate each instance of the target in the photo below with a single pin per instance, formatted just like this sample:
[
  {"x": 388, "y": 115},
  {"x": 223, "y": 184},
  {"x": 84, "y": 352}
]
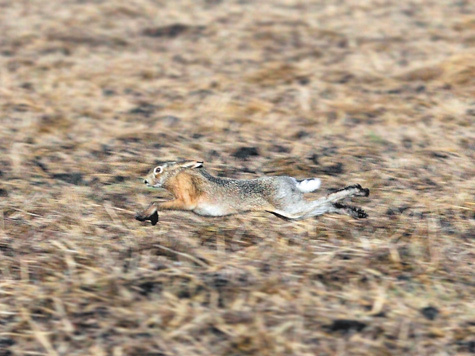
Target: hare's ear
[{"x": 192, "y": 164}]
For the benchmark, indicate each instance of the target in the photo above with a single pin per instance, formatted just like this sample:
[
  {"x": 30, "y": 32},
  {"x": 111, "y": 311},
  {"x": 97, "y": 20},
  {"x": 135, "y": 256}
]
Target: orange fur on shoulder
[{"x": 186, "y": 188}]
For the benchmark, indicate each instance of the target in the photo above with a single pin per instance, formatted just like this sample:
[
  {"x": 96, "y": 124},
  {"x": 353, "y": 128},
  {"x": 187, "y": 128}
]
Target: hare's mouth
[{"x": 147, "y": 183}]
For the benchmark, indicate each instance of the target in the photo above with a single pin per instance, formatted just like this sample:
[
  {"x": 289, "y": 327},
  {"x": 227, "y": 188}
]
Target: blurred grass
[{"x": 93, "y": 93}]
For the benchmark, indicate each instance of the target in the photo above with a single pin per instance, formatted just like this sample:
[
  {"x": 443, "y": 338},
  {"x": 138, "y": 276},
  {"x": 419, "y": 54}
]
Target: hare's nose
[{"x": 145, "y": 181}]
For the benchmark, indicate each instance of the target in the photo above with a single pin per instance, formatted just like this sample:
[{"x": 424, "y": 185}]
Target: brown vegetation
[{"x": 380, "y": 93}]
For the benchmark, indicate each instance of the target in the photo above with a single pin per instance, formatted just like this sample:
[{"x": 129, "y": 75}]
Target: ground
[{"x": 375, "y": 92}]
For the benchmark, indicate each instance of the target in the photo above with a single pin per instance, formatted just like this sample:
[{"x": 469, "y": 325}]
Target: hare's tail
[{"x": 308, "y": 185}]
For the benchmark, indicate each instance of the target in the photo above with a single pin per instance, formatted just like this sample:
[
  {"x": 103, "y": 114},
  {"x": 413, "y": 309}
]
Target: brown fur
[{"x": 186, "y": 189}]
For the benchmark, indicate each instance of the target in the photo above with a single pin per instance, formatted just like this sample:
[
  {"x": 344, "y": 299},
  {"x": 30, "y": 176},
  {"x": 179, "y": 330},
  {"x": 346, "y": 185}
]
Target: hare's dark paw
[
  {"x": 154, "y": 218},
  {"x": 359, "y": 213},
  {"x": 143, "y": 217}
]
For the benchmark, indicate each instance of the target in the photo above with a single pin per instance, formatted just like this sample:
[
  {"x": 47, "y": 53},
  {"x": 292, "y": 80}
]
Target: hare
[{"x": 196, "y": 190}]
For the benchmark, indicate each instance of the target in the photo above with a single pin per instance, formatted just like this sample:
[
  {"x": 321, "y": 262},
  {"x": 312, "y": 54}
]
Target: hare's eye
[{"x": 158, "y": 170}]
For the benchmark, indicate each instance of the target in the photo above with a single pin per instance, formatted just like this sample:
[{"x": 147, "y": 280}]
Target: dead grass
[{"x": 379, "y": 93}]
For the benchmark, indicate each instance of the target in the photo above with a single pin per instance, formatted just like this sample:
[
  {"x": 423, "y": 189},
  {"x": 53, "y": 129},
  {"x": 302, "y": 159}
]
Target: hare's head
[{"x": 158, "y": 176}]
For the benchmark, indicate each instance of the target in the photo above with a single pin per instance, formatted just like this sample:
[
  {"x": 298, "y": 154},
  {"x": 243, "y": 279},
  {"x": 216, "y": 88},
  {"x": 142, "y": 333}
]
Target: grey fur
[{"x": 280, "y": 195}]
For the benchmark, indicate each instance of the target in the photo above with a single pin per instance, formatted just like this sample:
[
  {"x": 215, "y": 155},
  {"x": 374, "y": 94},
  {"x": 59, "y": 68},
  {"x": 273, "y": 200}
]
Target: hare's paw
[
  {"x": 144, "y": 217},
  {"x": 353, "y": 211},
  {"x": 360, "y": 191},
  {"x": 359, "y": 213},
  {"x": 365, "y": 192},
  {"x": 154, "y": 218}
]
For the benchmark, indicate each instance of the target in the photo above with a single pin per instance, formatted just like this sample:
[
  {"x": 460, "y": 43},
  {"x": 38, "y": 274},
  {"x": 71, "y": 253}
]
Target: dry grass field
[{"x": 376, "y": 92}]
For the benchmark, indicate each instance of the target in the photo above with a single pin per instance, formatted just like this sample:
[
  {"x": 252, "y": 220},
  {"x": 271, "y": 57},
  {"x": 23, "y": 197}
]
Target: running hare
[{"x": 194, "y": 189}]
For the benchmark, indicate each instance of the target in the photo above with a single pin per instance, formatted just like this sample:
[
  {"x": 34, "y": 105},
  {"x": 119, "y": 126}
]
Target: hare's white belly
[{"x": 210, "y": 210}]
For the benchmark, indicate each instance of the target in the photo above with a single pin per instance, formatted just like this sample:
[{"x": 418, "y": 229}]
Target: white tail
[{"x": 309, "y": 185}]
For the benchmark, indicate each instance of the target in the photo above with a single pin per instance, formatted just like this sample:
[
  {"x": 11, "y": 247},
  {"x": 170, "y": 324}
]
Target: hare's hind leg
[
  {"x": 351, "y": 191},
  {"x": 294, "y": 206},
  {"x": 329, "y": 204},
  {"x": 353, "y": 211},
  {"x": 323, "y": 206}
]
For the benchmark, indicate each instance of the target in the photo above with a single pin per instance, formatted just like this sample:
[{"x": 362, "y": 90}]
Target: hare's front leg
[
  {"x": 148, "y": 214},
  {"x": 151, "y": 213}
]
